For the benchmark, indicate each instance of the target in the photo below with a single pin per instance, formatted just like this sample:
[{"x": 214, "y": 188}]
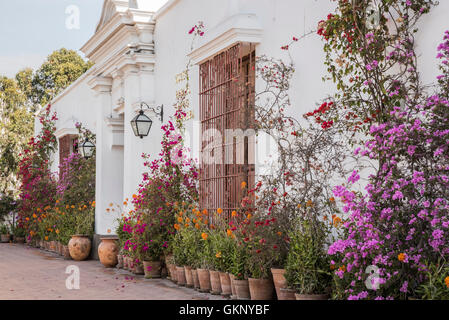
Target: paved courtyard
[{"x": 28, "y": 274}]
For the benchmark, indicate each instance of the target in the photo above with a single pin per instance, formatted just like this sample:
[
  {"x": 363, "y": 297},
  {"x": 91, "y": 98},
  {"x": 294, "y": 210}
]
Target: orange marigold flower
[
  {"x": 204, "y": 236},
  {"x": 197, "y": 226},
  {"x": 243, "y": 185},
  {"x": 180, "y": 219},
  {"x": 220, "y": 210},
  {"x": 332, "y": 199},
  {"x": 205, "y": 212},
  {"x": 446, "y": 281},
  {"x": 229, "y": 233},
  {"x": 401, "y": 257},
  {"x": 342, "y": 268},
  {"x": 218, "y": 255},
  {"x": 234, "y": 213},
  {"x": 46, "y": 238},
  {"x": 177, "y": 226}
]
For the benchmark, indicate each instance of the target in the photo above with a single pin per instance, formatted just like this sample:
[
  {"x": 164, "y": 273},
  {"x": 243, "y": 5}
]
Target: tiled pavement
[{"x": 32, "y": 274}]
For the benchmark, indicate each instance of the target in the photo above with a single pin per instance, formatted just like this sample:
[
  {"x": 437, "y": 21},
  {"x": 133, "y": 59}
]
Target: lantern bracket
[{"x": 158, "y": 111}]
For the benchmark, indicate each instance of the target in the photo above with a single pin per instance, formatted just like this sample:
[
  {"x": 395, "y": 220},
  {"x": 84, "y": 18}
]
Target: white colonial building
[{"x": 141, "y": 45}]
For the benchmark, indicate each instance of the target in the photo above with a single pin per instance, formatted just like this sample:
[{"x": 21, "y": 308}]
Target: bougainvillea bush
[
  {"x": 398, "y": 228},
  {"x": 37, "y": 183}
]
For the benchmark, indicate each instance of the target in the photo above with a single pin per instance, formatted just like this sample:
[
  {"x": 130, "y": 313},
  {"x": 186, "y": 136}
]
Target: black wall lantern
[
  {"x": 141, "y": 124},
  {"x": 87, "y": 149}
]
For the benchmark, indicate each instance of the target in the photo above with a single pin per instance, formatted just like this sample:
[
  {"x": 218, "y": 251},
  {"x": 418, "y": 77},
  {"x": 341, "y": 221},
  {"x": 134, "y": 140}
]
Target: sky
[{"x": 30, "y": 30}]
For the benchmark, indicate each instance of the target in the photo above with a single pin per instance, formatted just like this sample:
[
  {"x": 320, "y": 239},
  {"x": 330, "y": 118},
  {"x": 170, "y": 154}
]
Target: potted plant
[
  {"x": 308, "y": 264},
  {"x": 180, "y": 256},
  {"x": 239, "y": 272},
  {"x": 4, "y": 233},
  {"x": 80, "y": 243},
  {"x": 19, "y": 235},
  {"x": 223, "y": 242},
  {"x": 108, "y": 251}
]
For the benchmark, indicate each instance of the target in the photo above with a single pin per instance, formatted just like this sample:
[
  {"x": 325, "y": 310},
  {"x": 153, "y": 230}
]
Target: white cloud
[{"x": 10, "y": 65}]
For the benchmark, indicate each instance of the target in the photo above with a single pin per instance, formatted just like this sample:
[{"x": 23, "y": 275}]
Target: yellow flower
[
  {"x": 46, "y": 238},
  {"x": 57, "y": 231},
  {"x": 73, "y": 207},
  {"x": 218, "y": 255},
  {"x": 337, "y": 221},
  {"x": 204, "y": 236}
]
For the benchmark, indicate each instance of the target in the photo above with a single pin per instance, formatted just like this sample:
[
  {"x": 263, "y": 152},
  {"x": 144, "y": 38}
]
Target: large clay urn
[
  {"x": 108, "y": 251},
  {"x": 79, "y": 247}
]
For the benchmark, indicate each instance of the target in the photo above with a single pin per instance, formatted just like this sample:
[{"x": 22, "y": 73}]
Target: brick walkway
[{"x": 28, "y": 273}]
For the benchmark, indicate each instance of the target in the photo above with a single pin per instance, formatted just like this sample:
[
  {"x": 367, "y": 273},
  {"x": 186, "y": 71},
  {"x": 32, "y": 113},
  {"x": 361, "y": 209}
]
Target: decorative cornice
[
  {"x": 238, "y": 28},
  {"x": 66, "y": 132},
  {"x": 100, "y": 84}
]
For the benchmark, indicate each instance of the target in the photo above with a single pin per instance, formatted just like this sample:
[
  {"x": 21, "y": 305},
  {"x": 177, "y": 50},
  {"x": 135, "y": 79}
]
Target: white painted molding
[
  {"x": 117, "y": 128},
  {"x": 238, "y": 28},
  {"x": 62, "y": 132}
]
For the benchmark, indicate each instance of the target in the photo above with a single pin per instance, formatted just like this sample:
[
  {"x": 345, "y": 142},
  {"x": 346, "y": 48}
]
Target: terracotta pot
[
  {"x": 261, "y": 289},
  {"x": 19, "y": 240},
  {"x": 242, "y": 289},
  {"x": 173, "y": 273},
  {"x": 47, "y": 245},
  {"x": 79, "y": 247},
  {"x": 311, "y": 296},
  {"x": 204, "y": 279},
  {"x": 225, "y": 282},
  {"x": 164, "y": 272},
  {"x": 215, "y": 283},
  {"x": 181, "y": 276},
  {"x": 234, "y": 294},
  {"x": 5, "y": 238},
  {"x": 279, "y": 281},
  {"x": 189, "y": 277},
  {"x": 286, "y": 294},
  {"x": 53, "y": 246},
  {"x": 41, "y": 244},
  {"x": 108, "y": 252},
  {"x": 196, "y": 281},
  {"x": 59, "y": 248},
  {"x": 66, "y": 252},
  {"x": 152, "y": 269},
  {"x": 120, "y": 261},
  {"x": 138, "y": 268}
]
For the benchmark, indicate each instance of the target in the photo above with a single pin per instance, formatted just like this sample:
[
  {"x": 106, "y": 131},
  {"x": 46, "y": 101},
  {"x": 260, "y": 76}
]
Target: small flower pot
[
  {"x": 59, "y": 248},
  {"x": 311, "y": 296},
  {"x": 242, "y": 289},
  {"x": 152, "y": 269},
  {"x": 5, "y": 238},
  {"x": 120, "y": 261},
  {"x": 189, "y": 277},
  {"x": 196, "y": 281},
  {"x": 47, "y": 245},
  {"x": 215, "y": 283},
  {"x": 66, "y": 252},
  {"x": 279, "y": 281},
  {"x": 41, "y": 244},
  {"x": 125, "y": 263},
  {"x": 233, "y": 293},
  {"x": 181, "y": 273},
  {"x": 225, "y": 282},
  {"x": 261, "y": 289},
  {"x": 173, "y": 273},
  {"x": 108, "y": 252},
  {"x": 286, "y": 294},
  {"x": 138, "y": 269},
  {"x": 52, "y": 246},
  {"x": 79, "y": 247},
  {"x": 20, "y": 240},
  {"x": 204, "y": 279}
]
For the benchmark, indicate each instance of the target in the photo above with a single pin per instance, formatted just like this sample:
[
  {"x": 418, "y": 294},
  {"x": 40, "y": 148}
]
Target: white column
[{"x": 109, "y": 165}]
